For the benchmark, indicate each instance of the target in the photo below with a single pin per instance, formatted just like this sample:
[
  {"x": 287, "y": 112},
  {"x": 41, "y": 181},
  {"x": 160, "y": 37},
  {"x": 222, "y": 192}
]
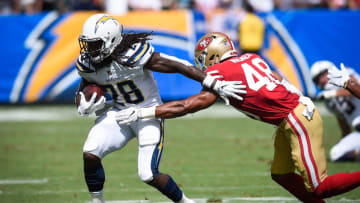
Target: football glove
[
  {"x": 225, "y": 89},
  {"x": 338, "y": 77},
  {"x": 326, "y": 94},
  {"x": 86, "y": 108},
  {"x": 132, "y": 114},
  {"x": 128, "y": 115}
]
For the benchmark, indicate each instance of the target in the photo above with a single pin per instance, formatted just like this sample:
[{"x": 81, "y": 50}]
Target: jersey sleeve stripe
[{"x": 140, "y": 52}]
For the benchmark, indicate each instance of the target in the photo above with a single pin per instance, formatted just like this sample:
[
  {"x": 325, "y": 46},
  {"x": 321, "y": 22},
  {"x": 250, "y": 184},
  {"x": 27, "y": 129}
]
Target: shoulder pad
[
  {"x": 140, "y": 54},
  {"x": 83, "y": 65}
]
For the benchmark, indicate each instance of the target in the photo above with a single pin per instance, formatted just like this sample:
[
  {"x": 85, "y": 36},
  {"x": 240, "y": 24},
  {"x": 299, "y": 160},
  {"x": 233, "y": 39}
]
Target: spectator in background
[
  {"x": 155, "y": 5},
  {"x": 60, "y": 6},
  {"x": 186, "y": 4},
  {"x": 49, "y": 5},
  {"x": 87, "y": 5},
  {"x": 336, "y": 4},
  {"x": 299, "y": 4},
  {"x": 304, "y": 4},
  {"x": 170, "y": 4},
  {"x": 206, "y": 6},
  {"x": 27, "y": 6},
  {"x": 284, "y": 4},
  {"x": 116, "y": 7},
  {"x": 6, "y": 7},
  {"x": 251, "y": 31},
  {"x": 225, "y": 19},
  {"x": 354, "y": 4},
  {"x": 261, "y": 5}
]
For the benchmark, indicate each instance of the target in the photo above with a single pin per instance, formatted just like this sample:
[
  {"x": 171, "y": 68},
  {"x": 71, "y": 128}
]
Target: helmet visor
[{"x": 91, "y": 48}]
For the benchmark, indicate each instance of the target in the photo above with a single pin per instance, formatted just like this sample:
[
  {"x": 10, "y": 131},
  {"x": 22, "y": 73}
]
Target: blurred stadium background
[{"x": 42, "y": 142}]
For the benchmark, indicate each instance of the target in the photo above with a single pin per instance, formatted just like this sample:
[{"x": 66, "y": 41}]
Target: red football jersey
[{"x": 266, "y": 99}]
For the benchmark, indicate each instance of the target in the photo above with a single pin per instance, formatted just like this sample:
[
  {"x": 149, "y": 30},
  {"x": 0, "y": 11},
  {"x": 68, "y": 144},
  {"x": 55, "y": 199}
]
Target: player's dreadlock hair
[{"x": 128, "y": 40}]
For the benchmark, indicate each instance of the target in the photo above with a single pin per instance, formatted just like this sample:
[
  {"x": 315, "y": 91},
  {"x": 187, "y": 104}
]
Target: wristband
[
  {"x": 329, "y": 94},
  {"x": 147, "y": 112},
  {"x": 346, "y": 84}
]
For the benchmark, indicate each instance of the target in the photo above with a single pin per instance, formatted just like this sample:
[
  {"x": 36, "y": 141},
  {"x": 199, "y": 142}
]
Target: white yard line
[
  {"x": 18, "y": 181},
  {"x": 234, "y": 199},
  {"x": 198, "y": 200}
]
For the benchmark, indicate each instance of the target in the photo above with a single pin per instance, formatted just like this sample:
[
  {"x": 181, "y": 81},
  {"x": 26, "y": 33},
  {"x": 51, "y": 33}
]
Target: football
[{"x": 88, "y": 92}]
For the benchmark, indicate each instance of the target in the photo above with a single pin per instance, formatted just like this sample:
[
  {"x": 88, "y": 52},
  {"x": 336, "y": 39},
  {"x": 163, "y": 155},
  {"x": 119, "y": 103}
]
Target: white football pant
[
  {"x": 349, "y": 143},
  {"x": 107, "y": 136}
]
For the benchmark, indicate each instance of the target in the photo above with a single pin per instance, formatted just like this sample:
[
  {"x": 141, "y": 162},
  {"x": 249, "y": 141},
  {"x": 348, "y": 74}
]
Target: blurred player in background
[
  {"x": 342, "y": 79},
  {"x": 345, "y": 106},
  {"x": 299, "y": 134},
  {"x": 122, "y": 64}
]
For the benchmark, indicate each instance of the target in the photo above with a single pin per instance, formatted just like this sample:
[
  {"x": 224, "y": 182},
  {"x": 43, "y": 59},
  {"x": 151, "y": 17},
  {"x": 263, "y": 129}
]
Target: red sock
[
  {"x": 295, "y": 185},
  {"x": 337, "y": 184}
]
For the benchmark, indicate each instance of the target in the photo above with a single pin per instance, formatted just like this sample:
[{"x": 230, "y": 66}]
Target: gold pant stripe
[{"x": 305, "y": 146}]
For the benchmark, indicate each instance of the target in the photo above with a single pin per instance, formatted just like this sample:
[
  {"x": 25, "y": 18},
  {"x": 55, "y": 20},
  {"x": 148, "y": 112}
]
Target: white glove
[
  {"x": 86, "y": 108},
  {"x": 128, "y": 115},
  {"x": 338, "y": 77},
  {"x": 132, "y": 114},
  {"x": 224, "y": 89},
  {"x": 326, "y": 94}
]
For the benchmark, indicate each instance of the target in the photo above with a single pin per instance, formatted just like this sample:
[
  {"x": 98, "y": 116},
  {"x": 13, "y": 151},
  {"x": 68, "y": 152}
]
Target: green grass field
[{"x": 210, "y": 158}]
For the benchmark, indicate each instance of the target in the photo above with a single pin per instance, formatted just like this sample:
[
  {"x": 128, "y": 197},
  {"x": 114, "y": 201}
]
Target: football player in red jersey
[{"x": 269, "y": 98}]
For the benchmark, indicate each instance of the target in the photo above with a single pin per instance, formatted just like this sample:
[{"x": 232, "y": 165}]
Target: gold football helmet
[{"x": 213, "y": 48}]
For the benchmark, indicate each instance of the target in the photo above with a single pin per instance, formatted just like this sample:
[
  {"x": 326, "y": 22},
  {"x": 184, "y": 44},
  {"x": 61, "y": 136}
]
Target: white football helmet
[
  {"x": 213, "y": 48},
  {"x": 100, "y": 35},
  {"x": 320, "y": 67}
]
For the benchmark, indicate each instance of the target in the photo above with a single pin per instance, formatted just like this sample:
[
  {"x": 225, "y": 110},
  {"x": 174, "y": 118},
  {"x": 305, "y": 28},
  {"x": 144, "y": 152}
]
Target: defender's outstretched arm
[
  {"x": 190, "y": 105},
  {"x": 169, "y": 110}
]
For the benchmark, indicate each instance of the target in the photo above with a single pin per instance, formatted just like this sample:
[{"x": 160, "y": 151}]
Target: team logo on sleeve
[{"x": 204, "y": 43}]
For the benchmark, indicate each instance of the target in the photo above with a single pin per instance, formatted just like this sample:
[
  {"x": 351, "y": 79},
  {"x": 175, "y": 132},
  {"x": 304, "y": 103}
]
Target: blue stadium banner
[
  {"x": 297, "y": 39},
  {"x": 38, "y": 59}
]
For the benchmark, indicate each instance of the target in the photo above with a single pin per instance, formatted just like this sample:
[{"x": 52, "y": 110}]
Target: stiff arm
[
  {"x": 190, "y": 105},
  {"x": 169, "y": 110}
]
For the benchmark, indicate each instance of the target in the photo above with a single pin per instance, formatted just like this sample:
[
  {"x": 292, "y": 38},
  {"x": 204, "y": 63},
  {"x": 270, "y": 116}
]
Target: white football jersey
[
  {"x": 346, "y": 107},
  {"x": 128, "y": 86}
]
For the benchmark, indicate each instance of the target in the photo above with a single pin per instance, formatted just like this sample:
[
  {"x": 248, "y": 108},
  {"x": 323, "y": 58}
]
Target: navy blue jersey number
[{"x": 128, "y": 90}]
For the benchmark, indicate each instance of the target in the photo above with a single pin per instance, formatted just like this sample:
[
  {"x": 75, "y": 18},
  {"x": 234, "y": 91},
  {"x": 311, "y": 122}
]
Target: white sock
[
  {"x": 184, "y": 199},
  {"x": 97, "y": 197}
]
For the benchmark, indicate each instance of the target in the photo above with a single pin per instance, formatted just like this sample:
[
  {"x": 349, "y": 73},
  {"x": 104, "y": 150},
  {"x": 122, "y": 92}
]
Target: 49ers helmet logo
[{"x": 204, "y": 43}]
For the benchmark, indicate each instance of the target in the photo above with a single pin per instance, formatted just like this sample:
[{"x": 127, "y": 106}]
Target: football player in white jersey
[
  {"x": 122, "y": 64},
  {"x": 345, "y": 106}
]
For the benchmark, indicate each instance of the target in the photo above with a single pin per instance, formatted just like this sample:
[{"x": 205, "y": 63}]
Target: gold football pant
[{"x": 299, "y": 146}]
